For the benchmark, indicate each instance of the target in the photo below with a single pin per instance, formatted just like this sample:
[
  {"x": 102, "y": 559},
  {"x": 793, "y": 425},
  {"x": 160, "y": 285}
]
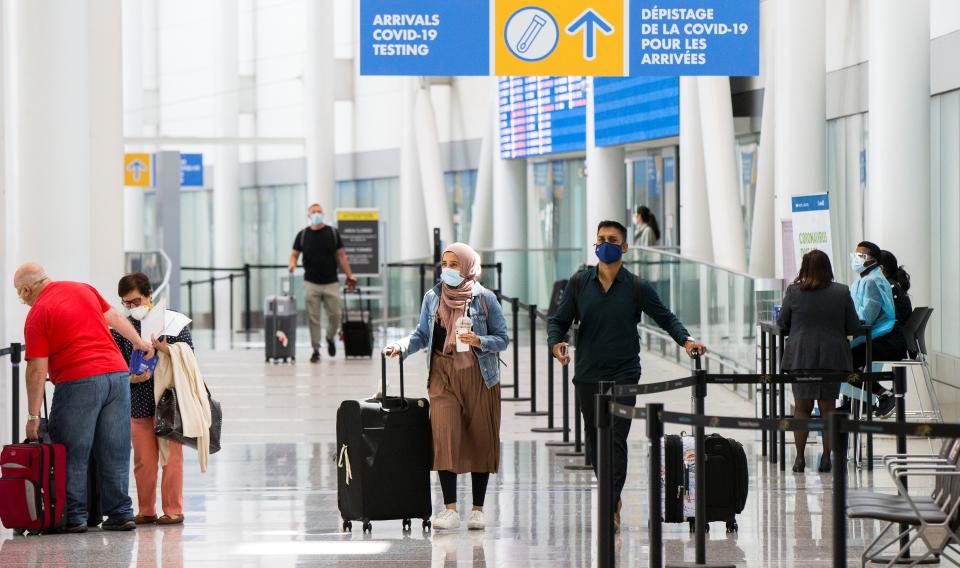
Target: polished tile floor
[{"x": 269, "y": 498}]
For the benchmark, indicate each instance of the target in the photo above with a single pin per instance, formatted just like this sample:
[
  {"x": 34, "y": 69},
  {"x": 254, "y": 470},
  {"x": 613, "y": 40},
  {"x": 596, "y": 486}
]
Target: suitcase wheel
[
  {"x": 732, "y": 527},
  {"x": 367, "y": 527},
  {"x": 406, "y": 525},
  {"x": 347, "y": 526},
  {"x": 427, "y": 525},
  {"x": 19, "y": 532}
]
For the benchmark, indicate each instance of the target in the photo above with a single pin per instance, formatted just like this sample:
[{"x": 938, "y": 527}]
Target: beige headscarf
[{"x": 454, "y": 301}]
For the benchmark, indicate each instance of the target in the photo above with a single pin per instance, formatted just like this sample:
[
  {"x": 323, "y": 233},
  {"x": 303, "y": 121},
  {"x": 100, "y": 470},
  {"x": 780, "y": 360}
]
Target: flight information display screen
[
  {"x": 636, "y": 109},
  {"x": 542, "y": 115}
]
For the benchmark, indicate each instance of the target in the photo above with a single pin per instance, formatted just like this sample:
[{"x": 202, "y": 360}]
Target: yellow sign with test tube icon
[{"x": 561, "y": 37}]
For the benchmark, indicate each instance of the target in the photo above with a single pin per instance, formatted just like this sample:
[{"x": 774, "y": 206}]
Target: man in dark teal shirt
[{"x": 608, "y": 300}]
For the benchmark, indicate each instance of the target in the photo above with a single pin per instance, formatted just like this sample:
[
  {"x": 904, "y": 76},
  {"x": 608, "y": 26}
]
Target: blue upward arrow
[{"x": 589, "y": 21}]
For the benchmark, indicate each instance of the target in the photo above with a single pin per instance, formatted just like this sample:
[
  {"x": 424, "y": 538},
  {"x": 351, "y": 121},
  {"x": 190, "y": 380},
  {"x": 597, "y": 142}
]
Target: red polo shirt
[{"x": 66, "y": 325}]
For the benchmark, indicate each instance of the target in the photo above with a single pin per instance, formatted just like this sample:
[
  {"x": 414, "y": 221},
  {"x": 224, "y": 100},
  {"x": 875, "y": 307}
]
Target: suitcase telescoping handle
[{"x": 383, "y": 384}]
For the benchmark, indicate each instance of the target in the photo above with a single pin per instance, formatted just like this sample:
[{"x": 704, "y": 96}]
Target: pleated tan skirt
[{"x": 464, "y": 417}]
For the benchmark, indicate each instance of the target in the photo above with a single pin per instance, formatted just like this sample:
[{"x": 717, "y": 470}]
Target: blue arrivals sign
[
  {"x": 424, "y": 37},
  {"x": 191, "y": 170},
  {"x": 695, "y": 37}
]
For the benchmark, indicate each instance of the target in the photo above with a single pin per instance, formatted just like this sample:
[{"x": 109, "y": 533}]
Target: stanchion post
[
  {"x": 655, "y": 518},
  {"x": 782, "y": 391},
  {"x": 423, "y": 274},
  {"x": 868, "y": 368},
  {"x": 515, "y": 340},
  {"x": 550, "y": 429},
  {"x": 499, "y": 277},
  {"x": 604, "y": 426},
  {"x": 763, "y": 388},
  {"x": 838, "y": 422},
  {"x": 532, "y": 310},
  {"x": 15, "y": 358},
  {"x": 190, "y": 298},
  {"x": 700, "y": 504},
  {"x": 899, "y": 390},
  {"x": 565, "y": 374},
  {"x": 231, "y": 304},
  {"x": 213, "y": 310},
  {"x": 247, "y": 306},
  {"x": 773, "y": 399}
]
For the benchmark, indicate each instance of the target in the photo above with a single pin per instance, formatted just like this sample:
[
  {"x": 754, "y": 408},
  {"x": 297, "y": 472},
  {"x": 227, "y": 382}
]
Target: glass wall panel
[
  {"x": 847, "y": 186},
  {"x": 945, "y": 230},
  {"x": 461, "y": 190},
  {"x": 747, "y": 148},
  {"x": 652, "y": 180}
]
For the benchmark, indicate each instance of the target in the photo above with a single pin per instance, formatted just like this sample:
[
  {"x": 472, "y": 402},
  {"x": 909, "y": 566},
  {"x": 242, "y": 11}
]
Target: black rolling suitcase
[
  {"x": 727, "y": 480},
  {"x": 384, "y": 457},
  {"x": 280, "y": 326},
  {"x": 356, "y": 330}
]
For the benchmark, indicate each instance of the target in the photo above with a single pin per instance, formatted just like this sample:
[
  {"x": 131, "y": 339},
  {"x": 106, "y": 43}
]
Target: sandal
[
  {"x": 168, "y": 520},
  {"x": 145, "y": 520}
]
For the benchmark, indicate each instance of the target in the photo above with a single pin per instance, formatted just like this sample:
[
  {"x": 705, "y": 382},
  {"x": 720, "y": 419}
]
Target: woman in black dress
[{"x": 817, "y": 315}]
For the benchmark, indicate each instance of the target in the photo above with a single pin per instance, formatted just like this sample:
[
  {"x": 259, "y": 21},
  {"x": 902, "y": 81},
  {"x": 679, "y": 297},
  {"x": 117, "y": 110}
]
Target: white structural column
[
  {"x": 762, "y": 257},
  {"x": 6, "y": 209},
  {"x": 800, "y": 111},
  {"x": 319, "y": 102},
  {"x": 695, "y": 235},
  {"x": 431, "y": 168},
  {"x": 70, "y": 211},
  {"x": 413, "y": 215},
  {"x": 606, "y": 181},
  {"x": 510, "y": 215},
  {"x": 226, "y": 183},
  {"x": 133, "y": 198},
  {"x": 481, "y": 227},
  {"x": 898, "y": 198},
  {"x": 719, "y": 156}
]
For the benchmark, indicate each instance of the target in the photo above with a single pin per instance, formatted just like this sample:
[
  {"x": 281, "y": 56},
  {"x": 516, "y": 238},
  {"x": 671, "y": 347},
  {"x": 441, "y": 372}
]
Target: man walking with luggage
[
  {"x": 322, "y": 251},
  {"x": 67, "y": 338},
  {"x": 608, "y": 343}
]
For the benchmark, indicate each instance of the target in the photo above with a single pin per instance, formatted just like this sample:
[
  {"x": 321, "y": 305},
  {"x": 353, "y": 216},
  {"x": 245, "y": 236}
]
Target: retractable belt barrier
[{"x": 837, "y": 424}]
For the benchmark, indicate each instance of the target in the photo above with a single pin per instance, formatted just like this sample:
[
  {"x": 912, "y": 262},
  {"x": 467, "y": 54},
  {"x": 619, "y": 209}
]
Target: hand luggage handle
[
  {"x": 383, "y": 385},
  {"x": 346, "y": 309}
]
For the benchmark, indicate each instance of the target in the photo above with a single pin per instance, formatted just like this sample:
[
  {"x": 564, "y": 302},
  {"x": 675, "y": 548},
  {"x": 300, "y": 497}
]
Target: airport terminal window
[
  {"x": 652, "y": 181},
  {"x": 747, "y": 148},
  {"x": 847, "y": 186},
  {"x": 945, "y": 199},
  {"x": 461, "y": 190},
  {"x": 559, "y": 200}
]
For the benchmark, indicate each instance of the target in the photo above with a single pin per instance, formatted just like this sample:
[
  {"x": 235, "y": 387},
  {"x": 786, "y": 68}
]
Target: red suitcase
[{"x": 33, "y": 486}]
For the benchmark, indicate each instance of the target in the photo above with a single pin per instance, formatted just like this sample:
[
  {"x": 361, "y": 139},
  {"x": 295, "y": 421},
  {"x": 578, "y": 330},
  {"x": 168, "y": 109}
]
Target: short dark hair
[
  {"x": 816, "y": 272},
  {"x": 872, "y": 247},
  {"x": 134, "y": 281},
  {"x": 614, "y": 224}
]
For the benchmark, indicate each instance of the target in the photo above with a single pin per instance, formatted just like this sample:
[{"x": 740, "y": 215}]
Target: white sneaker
[
  {"x": 475, "y": 521},
  {"x": 446, "y": 520}
]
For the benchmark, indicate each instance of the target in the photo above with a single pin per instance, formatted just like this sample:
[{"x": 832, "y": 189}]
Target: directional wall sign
[
  {"x": 137, "y": 170},
  {"x": 560, "y": 37},
  {"x": 191, "y": 170},
  {"x": 425, "y": 37},
  {"x": 695, "y": 37}
]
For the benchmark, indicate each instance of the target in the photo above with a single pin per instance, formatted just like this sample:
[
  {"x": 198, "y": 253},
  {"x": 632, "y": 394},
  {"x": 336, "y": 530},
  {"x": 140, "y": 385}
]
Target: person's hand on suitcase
[
  {"x": 352, "y": 282},
  {"x": 392, "y": 350},
  {"x": 33, "y": 429}
]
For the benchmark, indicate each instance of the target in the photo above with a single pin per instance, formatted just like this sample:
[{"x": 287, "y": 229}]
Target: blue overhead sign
[
  {"x": 191, "y": 170},
  {"x": 695, "y": 37},
  {"x": 424, "y": 37}
]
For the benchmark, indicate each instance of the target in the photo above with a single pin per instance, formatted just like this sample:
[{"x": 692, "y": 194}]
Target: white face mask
[{"x": 139, "y": 312}]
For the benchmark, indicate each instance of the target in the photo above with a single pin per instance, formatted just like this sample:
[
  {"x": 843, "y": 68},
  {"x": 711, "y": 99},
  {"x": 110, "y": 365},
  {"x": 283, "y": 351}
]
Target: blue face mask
[
  {"x": 316, "y": 219},
  {"x": 451, "y": 277},
  {"x": 608, "y": 253}
]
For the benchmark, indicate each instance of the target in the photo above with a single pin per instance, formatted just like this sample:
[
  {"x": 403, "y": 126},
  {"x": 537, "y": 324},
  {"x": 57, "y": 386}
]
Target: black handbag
[{"x": 170, "y": 425}]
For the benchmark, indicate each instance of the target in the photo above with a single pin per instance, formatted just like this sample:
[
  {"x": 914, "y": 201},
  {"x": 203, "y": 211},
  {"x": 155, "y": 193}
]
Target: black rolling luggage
[
  {"x": 726, "y": 475},
  {"x": 384, "y": 457},
  {"x": 356, "y": 328},
  {"x": 280, "y": 326}
]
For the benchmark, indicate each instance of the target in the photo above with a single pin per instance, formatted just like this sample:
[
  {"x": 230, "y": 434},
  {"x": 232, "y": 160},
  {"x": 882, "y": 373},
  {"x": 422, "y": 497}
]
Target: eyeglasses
[
  {"x": 134, "y": 303},
  {"x": 861, "y": 256}
]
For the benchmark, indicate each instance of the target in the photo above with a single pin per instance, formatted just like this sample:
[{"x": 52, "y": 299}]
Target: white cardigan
[{"x": 180, "y": 371}]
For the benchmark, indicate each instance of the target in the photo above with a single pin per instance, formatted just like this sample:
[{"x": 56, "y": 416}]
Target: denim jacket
[{"x": 488, "y": 324}]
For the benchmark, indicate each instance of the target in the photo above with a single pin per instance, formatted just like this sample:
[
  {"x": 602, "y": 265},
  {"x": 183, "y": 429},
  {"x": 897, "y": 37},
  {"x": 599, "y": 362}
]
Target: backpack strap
[{"x": 575, "y": 291}]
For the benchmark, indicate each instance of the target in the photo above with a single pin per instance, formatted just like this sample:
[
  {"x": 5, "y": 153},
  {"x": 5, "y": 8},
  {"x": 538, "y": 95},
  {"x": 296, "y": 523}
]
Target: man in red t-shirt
[{"x": 67, "y": 337}]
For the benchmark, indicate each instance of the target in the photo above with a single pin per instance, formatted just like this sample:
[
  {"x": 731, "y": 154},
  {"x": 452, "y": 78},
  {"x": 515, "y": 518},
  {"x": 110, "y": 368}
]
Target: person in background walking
[
  {"x": 817, "y": 315},
  {"x": 322, "y": 250},
  {"x": 136, "y": 295},
  {"x": 464, "y": 386},
  {"x": 647, "y": 232},
  {"x": 67, "y": 337},
  {"x": 609, "y": 300}
]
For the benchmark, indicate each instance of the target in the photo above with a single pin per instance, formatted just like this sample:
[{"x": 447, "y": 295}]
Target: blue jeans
[{"x": 93, "y": 415}]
